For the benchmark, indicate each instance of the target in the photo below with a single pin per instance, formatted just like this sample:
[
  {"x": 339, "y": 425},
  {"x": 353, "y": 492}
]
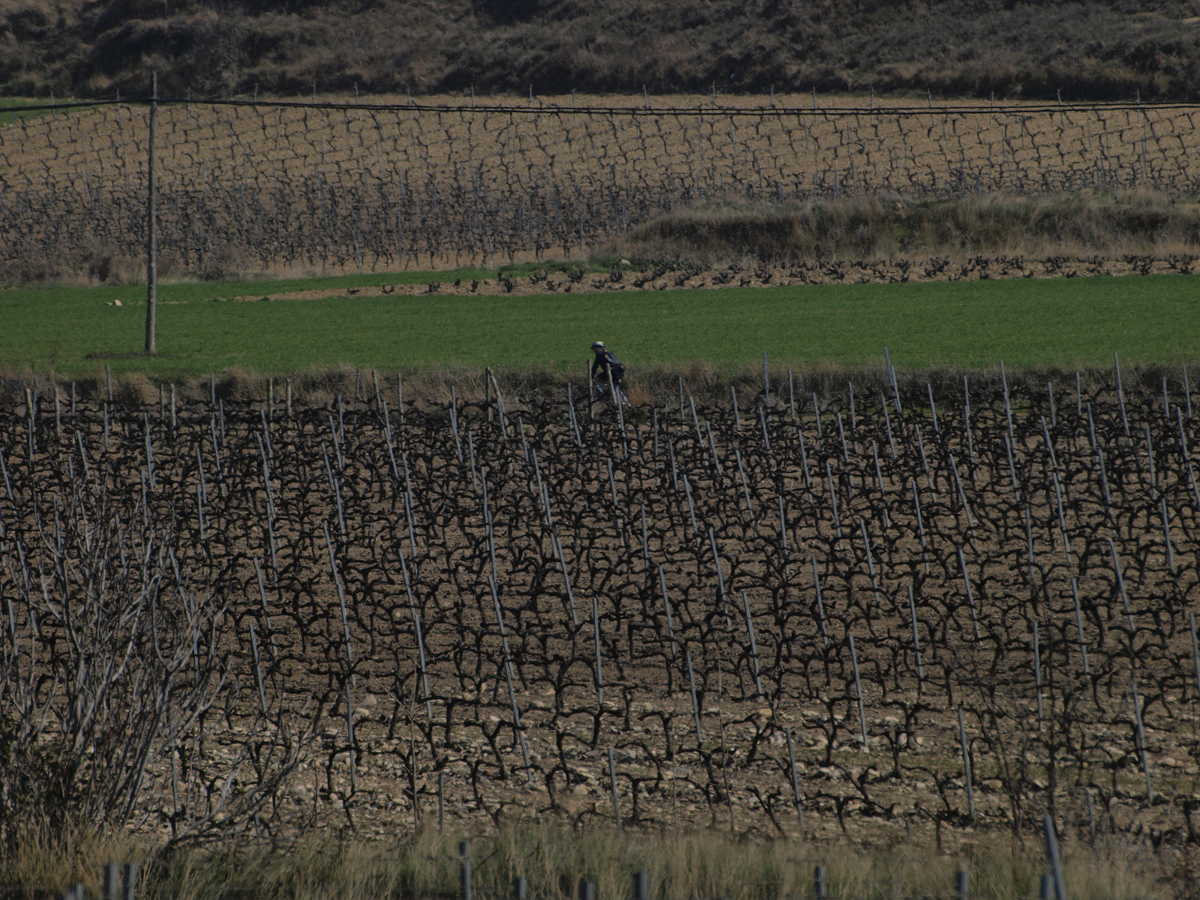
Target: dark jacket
[{"x": 606, "y": 362}]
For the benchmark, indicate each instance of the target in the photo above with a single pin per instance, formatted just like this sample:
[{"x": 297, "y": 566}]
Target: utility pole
[{"x": 151, "y": 232}]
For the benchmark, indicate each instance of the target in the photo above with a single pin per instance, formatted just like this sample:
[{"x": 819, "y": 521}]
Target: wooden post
[
  {"x": 1060, "y": 886},
  {"x": 795, "y": 780},
  {"x": 961, "y": 882},
  {"x": 612, "y": 778},
  {"x": 464, "y": 862},
  {"x": 112, "y": 881},
  {"x": 966, "y": 756},
  {"x": 151, "y": 232},
  {"x": 487, "y": 377},
  {"x": 695, "y": 701},
  {"x": 862, "y": 715}
]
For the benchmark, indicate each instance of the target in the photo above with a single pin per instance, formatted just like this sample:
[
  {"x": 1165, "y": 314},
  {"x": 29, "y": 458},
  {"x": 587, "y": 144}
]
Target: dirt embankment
[{"x": 627, "y": 278}]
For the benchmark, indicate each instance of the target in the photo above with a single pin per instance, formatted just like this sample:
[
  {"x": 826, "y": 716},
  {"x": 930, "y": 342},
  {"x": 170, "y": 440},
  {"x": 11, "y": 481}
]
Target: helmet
[{"x": 599, "y": 345}]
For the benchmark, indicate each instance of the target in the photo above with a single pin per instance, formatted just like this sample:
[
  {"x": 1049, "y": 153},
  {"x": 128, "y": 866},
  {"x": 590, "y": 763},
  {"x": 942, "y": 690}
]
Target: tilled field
[
  {"x": 949, "y": 610},
  {"x": 276, "y": 186}
]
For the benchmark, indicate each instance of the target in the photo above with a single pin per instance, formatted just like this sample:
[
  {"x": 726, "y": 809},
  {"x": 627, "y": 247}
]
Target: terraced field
[{"x": 340, "y": 186}]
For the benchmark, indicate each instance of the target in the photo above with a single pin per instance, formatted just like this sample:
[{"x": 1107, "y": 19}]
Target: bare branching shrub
[{"x": 114, "y": 667}]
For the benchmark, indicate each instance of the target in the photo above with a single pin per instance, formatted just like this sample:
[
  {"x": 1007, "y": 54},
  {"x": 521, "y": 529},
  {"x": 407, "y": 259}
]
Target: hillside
[{"x": 1099, "y": 50}]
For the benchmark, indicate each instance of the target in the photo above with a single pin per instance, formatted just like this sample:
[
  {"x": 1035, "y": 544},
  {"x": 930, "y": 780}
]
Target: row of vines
[
  {"x": 268, "y": 185},
  {"x": 933, "y": 606}
]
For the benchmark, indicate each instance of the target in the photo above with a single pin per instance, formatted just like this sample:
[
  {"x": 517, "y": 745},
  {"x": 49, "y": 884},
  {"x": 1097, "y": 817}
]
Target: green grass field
[{"x": 1064, "y": 323}]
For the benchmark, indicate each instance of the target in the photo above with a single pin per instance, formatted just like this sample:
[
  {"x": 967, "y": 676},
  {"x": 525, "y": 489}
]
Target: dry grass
[
  {"x": 1073, "y": 225},
  {"x": 655, "y": 384},
  {"x": 686, "y": 864}
]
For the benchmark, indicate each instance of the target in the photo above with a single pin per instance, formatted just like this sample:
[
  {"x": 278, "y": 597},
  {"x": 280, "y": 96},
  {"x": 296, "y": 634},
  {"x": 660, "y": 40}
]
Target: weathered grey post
[
  {"x": 1060, "y": 886},
  {"x": 1121, "y": 394},
  {"x": 795, "y": 780},
  {"x": 862, "y": 715},
  {"x": 695, "y": 701},
  {"x": 1037, "y": 672},
  {"x": 820, "y": 891},
  {"x": 151, "y": 230},
  {"x": 599, "y": 670},
  {"x": 464, "y": 870},
  {"x": 520, "y": 888},
  {"x": 112, "y": 881},
  {"x": 753, "y": 645},
  {"x": 612, "y": 779},
  {"x": 912, "y": 609},
  {"x": 962, "y": 881},
  {"x": 966, "y": 755},
  {"x": 641, "y": 886},
  {"x": 129, "y": 882},
  {"x": 1141, "y": 738}
]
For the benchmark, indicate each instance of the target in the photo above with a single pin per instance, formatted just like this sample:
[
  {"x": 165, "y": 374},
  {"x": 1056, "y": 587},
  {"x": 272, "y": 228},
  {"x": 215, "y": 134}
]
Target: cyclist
[{"x": 603, "y": 366}]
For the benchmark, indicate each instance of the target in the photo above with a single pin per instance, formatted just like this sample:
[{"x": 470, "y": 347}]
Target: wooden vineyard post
[
  {"x": 151, "y": 232},
  {"x": 912, "y": 607},
  {"x": 795, "y": 780},
  {"x": 464, "y": 862},
  {"x": 753, "y": 645},
  {"x": 112, "y": 881},
  {"x": 600, "y": 677},
  {"x": 487, "y": 378},
  {"x": 695, "y": 701},
  {"x": 129, "y": 881},
  {"x": 766, "y": 383},
  {"x": 862, "y": 713},
  {"x": 966, "y": 756},
  {"x": 1141, "y": 739},
  {"x": 612, "y": 778},
  {"x": 1060, "y": 885}
]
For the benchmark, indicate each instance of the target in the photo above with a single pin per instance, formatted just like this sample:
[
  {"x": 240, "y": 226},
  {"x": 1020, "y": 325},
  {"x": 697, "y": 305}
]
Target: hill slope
[{"x": 1101, "y": 50}]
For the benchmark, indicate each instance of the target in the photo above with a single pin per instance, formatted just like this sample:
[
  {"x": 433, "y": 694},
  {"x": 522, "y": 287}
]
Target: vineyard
[
  {"x": 936, "y": 609},
  {"x": 342, "y": 186}
]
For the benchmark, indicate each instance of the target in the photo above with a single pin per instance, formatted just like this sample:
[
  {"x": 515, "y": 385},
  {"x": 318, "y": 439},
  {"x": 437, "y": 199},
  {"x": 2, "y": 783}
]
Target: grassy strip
[
  {"x": 1073, "y": 224},
  {"x": 1064, "y": 323},
  {"x": 192, "y": 291},
  {"x": 555, "y": 859}
]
